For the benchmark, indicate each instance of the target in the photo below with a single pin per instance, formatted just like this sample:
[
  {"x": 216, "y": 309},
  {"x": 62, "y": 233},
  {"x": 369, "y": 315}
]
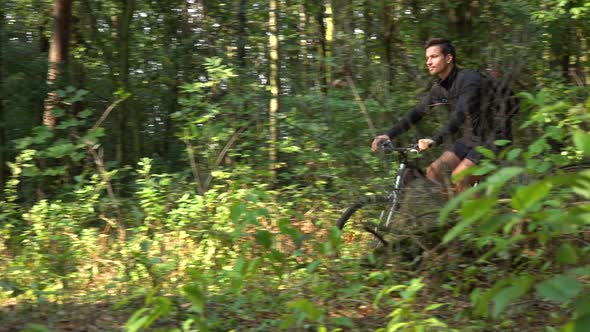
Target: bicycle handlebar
[{"x": 388, "y": 147}]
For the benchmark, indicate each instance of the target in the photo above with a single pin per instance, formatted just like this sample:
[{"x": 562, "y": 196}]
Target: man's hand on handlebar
[
  {"x": 425, "y": 144},
  {"x": 377, "y": 142}
]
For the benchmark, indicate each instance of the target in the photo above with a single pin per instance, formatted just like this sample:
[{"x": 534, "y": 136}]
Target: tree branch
[{"x": 359, "y": 101}]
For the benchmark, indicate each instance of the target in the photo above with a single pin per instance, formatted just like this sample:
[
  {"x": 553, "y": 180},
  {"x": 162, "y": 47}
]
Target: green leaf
[
  {"x": 312, "y": 266},
  {"x": 23, "y": 143},
  {"x": 79, "y": 96},
  {"x": 456, "y": 201},
  {"x": 525, "y": 197},
  {"x": 85, "y": 113},
  {"x": 510, "y": 294},
  {"x": 502, "y": 142},
  {"x": 567, "y": 254},
  {"x": 477, "y": 207},
  {"x": 186, "y": 325},
  {"x": 538, "y": 147},
  {"x": 489, "y": 154},
  {"x": 196, "y": 295},
  {"x": 307, "y": 307},
  {"x": 55, "y": 171},
  {"x": 58, "y": 112},
  {"x": 60, "y": 150},
  {"x": 485, "y": 169},
  {"x": 471, "y": 212},
  {"x": 68, "y": 124},
  {"x": 580, "y": 324},
  {"x": 264, "y": 238},
  {"x": 583, "y": 306},
  {"x": 343, "y": 321},
  {"x": 136, "y": 322},
  {"x": 582, "y": 141},
  {"x": 41, "y": 134},
  {"x": 498, "y": 179},
  {"x": 513, "y": 154},
  {"x": 237, "y": 210},
  {"x": 559, "y": 288},
  {"x": 434, "y": 306},
  {"x": 37, "y": 328}
]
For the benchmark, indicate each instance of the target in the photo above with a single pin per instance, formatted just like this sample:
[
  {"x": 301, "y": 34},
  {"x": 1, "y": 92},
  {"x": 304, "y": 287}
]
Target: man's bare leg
[
  {"x": 437, "y": 171},
  {"x": 463, "y": 183}
]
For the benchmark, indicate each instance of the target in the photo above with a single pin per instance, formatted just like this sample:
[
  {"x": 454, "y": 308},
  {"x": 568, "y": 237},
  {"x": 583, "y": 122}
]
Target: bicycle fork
[{"x": 392, "y": 199}]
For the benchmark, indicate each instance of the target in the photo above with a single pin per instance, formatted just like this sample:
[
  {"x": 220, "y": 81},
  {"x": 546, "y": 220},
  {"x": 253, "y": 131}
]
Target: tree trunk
[
  {"x": 242, "y": 22},
  {"x": 329, "y": 39},
  {"x": 58, "y": 57},
  {"x": 3, "y": 138},
  {"x": 273, "y": 42},
  {"x": 304, "y": 61},
  {"x": 322, "y": 47},
  {"x": 388, "y": 38},
  {"x": 461, "y": 16},
  {"x": 128, "y": 118}
]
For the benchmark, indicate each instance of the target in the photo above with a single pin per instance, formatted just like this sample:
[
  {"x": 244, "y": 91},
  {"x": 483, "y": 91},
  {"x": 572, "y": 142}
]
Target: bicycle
[{"x": 392, "y": 200}]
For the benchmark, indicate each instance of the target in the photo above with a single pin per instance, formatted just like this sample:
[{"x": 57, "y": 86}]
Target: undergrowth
[{"x": 242, "y": 255}]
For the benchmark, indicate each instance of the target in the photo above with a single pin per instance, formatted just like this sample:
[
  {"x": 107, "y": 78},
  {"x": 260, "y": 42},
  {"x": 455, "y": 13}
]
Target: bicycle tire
[
  {"x": 356, "y": 206},
  {"x": 391, "y": 201}
]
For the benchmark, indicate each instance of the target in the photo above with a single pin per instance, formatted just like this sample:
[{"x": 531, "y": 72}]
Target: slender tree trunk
[
  {"x": 304, "y": 61},
  {"x": 242, "y": 22},
  {"x": 58, "y": 56},
  {"x": 368, "y": 28},
  {"x": 273, "y": 42},
  {"x": 461, "y": 15},
  {"x": 329, "y": 38},
  {"x": 3, "y": 138},
  {"x": 128, "y": 118},
  {"x": 388, "y": 38},
  {"x": 322, "y": 47}
]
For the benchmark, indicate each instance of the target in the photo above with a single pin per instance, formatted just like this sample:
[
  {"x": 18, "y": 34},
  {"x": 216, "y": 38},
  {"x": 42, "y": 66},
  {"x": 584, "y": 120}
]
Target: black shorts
[{"x": 464, "y": 148}]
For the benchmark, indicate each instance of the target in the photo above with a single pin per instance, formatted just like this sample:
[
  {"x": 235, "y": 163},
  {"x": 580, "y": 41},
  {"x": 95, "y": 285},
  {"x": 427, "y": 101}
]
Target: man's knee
[
  {"x": 459, "y": 175},
  {"x": 456, "y": 174},
  {"x": 433, "y": 171}
]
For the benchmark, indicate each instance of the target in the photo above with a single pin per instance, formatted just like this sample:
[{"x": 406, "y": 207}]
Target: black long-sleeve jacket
[{"x": 462, "y": 90}]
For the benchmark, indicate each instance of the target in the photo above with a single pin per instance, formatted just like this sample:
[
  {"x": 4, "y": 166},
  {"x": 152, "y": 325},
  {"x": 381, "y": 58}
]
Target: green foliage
[
  {"x": 405, "y": 317},
  {"x": 541, "y": 213},
  {"x": 193, "y": 237}
]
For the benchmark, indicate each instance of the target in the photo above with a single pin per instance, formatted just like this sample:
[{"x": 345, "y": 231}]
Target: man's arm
[{"x": 413, "y": 116}]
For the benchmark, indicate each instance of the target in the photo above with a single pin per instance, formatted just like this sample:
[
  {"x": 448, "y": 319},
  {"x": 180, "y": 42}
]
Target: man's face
[{"x": 438, "y": 63}]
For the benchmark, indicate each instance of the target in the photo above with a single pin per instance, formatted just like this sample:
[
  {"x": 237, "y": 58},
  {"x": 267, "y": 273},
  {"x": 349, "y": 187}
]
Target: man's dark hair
[{"x": 446, "y": 46}]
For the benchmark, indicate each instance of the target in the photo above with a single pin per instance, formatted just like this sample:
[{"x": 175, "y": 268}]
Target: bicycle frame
[
  {"x": 394, "y": 195},
  {"x": 391, "y": 199}
]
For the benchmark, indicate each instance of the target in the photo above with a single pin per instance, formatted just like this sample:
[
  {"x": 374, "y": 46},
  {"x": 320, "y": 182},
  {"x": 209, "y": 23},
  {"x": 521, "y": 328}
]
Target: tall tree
[
  {"x": 58, "y": 56},
  {"x": 3, "y": 143},
  {"x": 320, "y": 11},
  {"x": 273, "y": 41},
  {"x": 128, "y": 117},
  {"x": 242, "y": 22},
  {"x": 388, "y": 12}
]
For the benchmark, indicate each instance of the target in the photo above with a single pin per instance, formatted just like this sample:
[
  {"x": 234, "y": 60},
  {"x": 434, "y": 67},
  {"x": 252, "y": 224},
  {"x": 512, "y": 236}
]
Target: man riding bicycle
[{"x": 461, "y": 90}]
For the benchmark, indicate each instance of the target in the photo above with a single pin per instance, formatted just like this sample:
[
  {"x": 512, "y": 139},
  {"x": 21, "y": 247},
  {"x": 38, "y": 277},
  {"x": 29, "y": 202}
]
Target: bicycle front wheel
[{"x": 377, "y": 212}]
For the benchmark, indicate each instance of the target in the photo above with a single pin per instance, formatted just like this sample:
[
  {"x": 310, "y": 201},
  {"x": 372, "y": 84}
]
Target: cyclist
[{"x": 460, "y": 89}]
